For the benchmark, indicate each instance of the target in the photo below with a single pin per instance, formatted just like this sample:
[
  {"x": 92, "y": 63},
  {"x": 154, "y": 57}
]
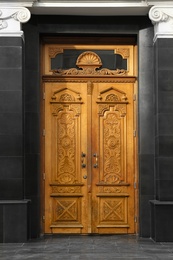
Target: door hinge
[
  {"x": 135, "y": 186},
  {"x": 134, "y": 133},
  {"x": 44, "y": 176},
  {"x": 43, "y": 218},
  {"x": 44, "y": 132},
  {"x": 43, "y": 95},
  {"x": 136, "y": 219},
  {"x": 134, "y": 97}
]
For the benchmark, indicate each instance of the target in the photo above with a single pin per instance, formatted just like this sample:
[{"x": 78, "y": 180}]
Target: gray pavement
[{"x": 100, "y": 247}]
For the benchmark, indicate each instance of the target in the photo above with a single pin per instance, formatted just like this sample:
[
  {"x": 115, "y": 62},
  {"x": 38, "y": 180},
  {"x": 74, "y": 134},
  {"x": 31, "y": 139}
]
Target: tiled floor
[{"x": 74, "y": 247}]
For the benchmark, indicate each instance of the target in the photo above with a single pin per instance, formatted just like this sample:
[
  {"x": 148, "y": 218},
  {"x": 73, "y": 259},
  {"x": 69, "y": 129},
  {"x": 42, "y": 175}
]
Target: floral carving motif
[
  {"x": 66, "y": 97},
  {"x": 112, "y": 142},
  {"x": 106, "y": 189},
  {"x": 89, "y": 72},
  {"x": 112, "y": 97},
  {"x": 66, "y": 148},
  {"x": 58, "y": 189}
]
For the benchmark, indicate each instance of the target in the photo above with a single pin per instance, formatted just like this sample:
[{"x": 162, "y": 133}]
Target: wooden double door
[{"x": 89, "y": 155}]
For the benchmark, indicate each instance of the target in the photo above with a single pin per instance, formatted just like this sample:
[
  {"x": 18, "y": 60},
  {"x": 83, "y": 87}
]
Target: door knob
[{"x": 96, "y": 161}]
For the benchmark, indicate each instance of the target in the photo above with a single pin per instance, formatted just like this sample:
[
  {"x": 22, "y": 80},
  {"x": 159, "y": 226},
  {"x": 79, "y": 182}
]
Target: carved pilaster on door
[
  {"x": 11, "y": 19},
  {"x": 162, "y": 18}
]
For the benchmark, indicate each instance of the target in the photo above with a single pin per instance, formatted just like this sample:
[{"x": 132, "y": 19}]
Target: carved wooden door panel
[
  {"x": 65, "y": 158},
  {"x": 89, "y": 157},
  {"x": 113, "y": 158}
]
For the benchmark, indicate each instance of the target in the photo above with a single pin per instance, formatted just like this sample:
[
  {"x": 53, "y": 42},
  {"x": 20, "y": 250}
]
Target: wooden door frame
[{"x": 87, "y": 40}]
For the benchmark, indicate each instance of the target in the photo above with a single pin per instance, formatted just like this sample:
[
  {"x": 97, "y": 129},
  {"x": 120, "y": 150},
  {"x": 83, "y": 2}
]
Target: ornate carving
[
  {"x": 102, "y": 108},
  {"x": 88, "y": 58},
  {"x": 66, "y": 97},
  {"x": 53, "y": 51},
  {"x": 160, "y": 13},
  {"x": 66, "y": 148},
  {"x": 56, "y": 108},
  {"x": 121, "y": 108},
  {"x": 111, "y": 139},
  {"x": 65, "y": 210},
  {"x": 66, "y": 110},
  {"x": 124, "y": 52},
  {"x": 76, "y": 108},
  {"x": 19, "y": 14},
  {"x": 112, "y": 98},
  {"x": 66, "y": 189},
  {"x": 113, "y": 210},
  {"x": 116, "y": 97},
  {"x": 107, "y": 189},
  {"x": 162, "y": 18},
  {"x": 89, "y": 87},
  {"x": 89, "y": 72},
  {"x": 3, "y": 24},
  {"x": 120, "y": 79},
  {"x": 89, "y": 62}
]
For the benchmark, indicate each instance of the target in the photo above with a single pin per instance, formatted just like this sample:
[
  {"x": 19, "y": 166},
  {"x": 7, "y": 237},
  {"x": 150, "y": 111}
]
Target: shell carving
[{"x": 89, "y": 58}]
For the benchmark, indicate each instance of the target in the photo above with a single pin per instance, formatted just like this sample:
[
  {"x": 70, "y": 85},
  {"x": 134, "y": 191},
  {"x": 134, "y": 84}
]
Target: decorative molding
[
  {"x": 102, "y": 79},
  {"x": 124, "y": 52},
  {"x": 25, "y": 3},
  {"x": 11, "y": 19},
  {"x": 162, "y": 18},
  {"x": 53, "y": 51},
  {"x": 90, "y": 71}
]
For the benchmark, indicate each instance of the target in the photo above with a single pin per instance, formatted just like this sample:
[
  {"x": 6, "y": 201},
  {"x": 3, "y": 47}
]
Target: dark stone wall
[
  {"x": 13, "y": 207},
  {"x": 164, "y": 119},
  {"x": 11, "y": 118},
  {"x": 32, "y": 131},
  {"x": 162, "y": 206},
  {"x": 40, "y": 26},
  {"x": 146, "y": 126}
]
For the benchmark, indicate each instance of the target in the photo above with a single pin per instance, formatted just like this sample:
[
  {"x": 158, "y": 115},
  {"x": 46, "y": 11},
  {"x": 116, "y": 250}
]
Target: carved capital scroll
[
  {"x": 11, "y": 19},
  {"x": 162, "y": 18}
]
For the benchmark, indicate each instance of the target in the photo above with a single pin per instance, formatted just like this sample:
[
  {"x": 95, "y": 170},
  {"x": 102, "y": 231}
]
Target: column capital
[
  {"x": 162, "y": 18},
  {"x": 11, "y": 19}
]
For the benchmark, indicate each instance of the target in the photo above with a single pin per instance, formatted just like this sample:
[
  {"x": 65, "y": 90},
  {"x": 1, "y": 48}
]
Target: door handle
[
  {"x": 96, "y": 161},
  {"x": 83, "y": 163}
]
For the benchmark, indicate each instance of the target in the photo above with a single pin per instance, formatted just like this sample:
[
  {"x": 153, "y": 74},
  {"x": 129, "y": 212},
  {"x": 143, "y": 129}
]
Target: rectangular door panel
[
  {"x": 65, "y": 141},
  {"x": 113, "y": 170}
]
